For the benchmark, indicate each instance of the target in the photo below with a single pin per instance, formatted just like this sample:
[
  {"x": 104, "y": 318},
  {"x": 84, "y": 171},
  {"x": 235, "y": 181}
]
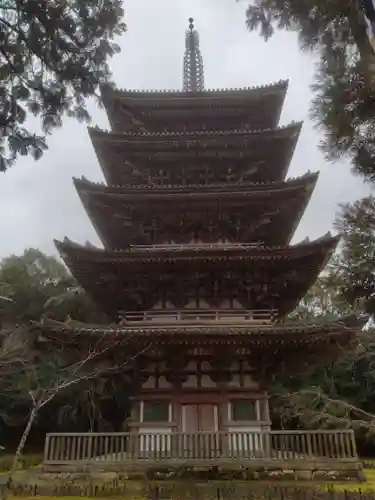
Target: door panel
[
  {"x": 206, "y": 417},
  {"x": 202, "y": 417},
  {"x": 198, "y": 419},
  {"x": 190, "y": 418}
]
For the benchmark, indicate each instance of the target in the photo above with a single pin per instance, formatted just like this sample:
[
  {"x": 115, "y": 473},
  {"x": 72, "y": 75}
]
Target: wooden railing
[
  {"x": 166, "y": 247},
  {"x": 203, "y": 447},
  {"x": 201, "y": 315}
]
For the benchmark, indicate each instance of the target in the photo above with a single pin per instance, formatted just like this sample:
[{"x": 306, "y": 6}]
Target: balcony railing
[
  {"x": 206, "y": 448},
  {"x": 196, "y": 246},
  {"x": 200, "y": 316}
]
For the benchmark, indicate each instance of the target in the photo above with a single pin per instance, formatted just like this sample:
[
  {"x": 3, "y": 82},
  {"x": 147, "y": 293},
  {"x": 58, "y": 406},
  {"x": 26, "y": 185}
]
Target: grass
[
  {"x": 26, "y": 462},
  {"x": 13, "y": 497}
]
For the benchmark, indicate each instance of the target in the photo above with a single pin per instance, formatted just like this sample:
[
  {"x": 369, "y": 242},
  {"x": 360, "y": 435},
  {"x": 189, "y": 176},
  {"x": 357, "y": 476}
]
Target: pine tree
[
  {"x": 354, "y": 266},
  {"x": 344, "y": 102},
  {"x": 53, "y": 55}
]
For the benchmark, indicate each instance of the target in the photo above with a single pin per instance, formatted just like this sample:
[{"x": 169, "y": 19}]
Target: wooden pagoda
[{"x": 198, "y": 273}]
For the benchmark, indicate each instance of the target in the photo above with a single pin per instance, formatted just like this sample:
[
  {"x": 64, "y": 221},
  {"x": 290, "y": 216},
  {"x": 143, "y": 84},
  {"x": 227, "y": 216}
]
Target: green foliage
[
  {"x": 354, "y": 267},
  {"x": 38, "y": 284},
  {"x": 75, "y": 303},
  {"x": 344, "y": 101},
  {"x": 342, "y": 393},
  {"x": 26, "y": 462},
  {"x": 339, "y": 395},
  {"x": 29, "y": 281},
  {"x": 323, "y": 301},
  {"x": 53, "y": 56},
  {"x": 41, "y": 285}
]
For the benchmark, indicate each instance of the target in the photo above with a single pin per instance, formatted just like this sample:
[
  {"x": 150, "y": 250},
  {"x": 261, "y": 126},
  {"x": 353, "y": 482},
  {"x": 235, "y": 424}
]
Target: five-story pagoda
[{"x": 197, "y": 269}]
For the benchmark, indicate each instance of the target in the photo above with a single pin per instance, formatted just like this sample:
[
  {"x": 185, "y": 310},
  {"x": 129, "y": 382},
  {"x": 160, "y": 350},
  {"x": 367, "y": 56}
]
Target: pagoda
[{"x": 197, "y": 268}]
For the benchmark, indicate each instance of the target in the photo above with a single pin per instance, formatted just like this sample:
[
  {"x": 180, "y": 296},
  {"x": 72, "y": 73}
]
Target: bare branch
[{"x": 42, "y": 390}]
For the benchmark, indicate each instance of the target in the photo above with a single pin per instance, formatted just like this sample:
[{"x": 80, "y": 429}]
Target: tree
[
  {"x": 13, "y": 357},
  {"x": 30, "y": 280},
  {"x": 39, "y": 284},
  {"x": 49, "y": 371},
  {"x": 355, "y": 264},
  {"x": 324, "y": 300},
  {"x": 53, "y": 56},
  {"x": 74, "y": 302},
  {"x": 344, "y": 102},
  {"x": 338, "y": 396}
]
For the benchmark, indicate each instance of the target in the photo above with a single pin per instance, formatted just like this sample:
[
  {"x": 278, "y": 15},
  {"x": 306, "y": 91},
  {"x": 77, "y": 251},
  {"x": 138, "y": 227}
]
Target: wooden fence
[
  {"x": 202, "y": 447},
  {"x": 199, "y": 315}
]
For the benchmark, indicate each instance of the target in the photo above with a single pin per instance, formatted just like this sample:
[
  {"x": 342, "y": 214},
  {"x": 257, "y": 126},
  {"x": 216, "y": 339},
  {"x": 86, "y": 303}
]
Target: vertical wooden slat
[
  {"x": 321, "y": 444},
  {"x": 292, "y": 446},
  {"x": 342, "y": 445},
  {"x": 76, "y": 446},
  {"x": 257, "y": 445},
  {"x": 346, "y": 438},
  {"x": 130, "y": 450},
  {"x": 57, "y": 446},
  {"x": 105, "y": 452},
  {"x": 95, "y": 447},
  {"x": 247, "y": 444},
  {"x": 47, "y": 448},
  {"x": 331, "y": 446},
  {"x": 336, "y": 445},
  {"x": 309, "y": 445},
  {"x": 110, "y": 448},
  {"x": 326, "y": 444},
  {"x": 303, "y": 445},
  {"x": 124, "y": 445},
  {"x": 315, "y": 444},
  {"x": 71, "y": 448},
  {"x": 353, "y": 445},
  {"x": 51, "y": 447},
  {"x": 89, "y": 448}
]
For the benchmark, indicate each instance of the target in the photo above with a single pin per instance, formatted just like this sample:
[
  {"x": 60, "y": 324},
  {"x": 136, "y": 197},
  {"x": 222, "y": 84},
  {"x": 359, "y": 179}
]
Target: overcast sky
[{"x": 37, "y": 199}]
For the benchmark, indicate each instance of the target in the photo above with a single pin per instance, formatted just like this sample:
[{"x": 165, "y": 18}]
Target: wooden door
[{"x": 199, "y": 427}]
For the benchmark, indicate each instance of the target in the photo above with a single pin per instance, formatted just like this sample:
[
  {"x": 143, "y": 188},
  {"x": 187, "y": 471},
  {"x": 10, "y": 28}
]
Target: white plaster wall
[
  {"x": 191, "y": 382},
  {"x": 149, "y": 384},
  {"x": 192, "y": 366},
  {"x": 207, "y": 382},
  {"x": 249, "y": 382},
  {"x": 163, "y": 383},
  {"x": 235, "y": 381}
]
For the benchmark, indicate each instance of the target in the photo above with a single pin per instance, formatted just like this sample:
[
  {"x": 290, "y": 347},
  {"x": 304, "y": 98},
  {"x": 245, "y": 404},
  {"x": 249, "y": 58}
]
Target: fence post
[
  {"x": 353, "y": 444},
  {"x": 46, "y": 448}
]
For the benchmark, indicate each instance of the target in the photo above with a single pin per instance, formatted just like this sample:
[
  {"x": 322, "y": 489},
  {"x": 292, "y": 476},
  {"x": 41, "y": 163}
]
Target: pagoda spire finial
[{"x": 193, "y": 61}]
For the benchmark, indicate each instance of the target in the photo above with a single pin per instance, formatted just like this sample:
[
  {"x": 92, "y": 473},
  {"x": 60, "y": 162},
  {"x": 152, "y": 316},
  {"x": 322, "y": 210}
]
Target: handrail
[
  {"x": 165, "y": 247},
  {"x": 65, "y": 448},
  {"x": 199, "y": 315}
]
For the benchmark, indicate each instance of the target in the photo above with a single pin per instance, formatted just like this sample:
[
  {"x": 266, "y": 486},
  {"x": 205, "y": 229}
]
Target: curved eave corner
[
  {"x": 310, "y": 186},
  {"x": 328, "y": 251},
  {"x": 82, "y": 187}
]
